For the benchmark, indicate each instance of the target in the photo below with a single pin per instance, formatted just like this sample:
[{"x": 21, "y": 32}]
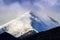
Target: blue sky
[{"x": 9, "y": 1}]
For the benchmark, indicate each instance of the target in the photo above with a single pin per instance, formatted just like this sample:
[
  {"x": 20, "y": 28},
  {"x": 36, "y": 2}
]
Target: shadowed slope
[{"x": 53, "y": 34}]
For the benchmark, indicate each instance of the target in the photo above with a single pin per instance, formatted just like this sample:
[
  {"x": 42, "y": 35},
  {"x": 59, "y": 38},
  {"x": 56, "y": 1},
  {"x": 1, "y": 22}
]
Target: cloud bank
[{"x": 10, "y": 9}]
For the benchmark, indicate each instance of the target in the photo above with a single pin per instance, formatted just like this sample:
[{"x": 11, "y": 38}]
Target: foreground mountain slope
[
  {"x": 53, "y": 34},
  {"x": 7, "y": 36}
]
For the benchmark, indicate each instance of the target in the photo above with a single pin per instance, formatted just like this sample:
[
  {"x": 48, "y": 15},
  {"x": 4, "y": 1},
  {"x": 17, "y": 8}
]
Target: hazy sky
[{"x": 10, "y": 9}]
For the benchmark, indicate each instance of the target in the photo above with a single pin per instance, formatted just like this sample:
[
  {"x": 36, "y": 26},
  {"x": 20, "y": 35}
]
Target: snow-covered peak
[
  {"x": 27, "y": 22},
  {"x": 19, "y": 26}
]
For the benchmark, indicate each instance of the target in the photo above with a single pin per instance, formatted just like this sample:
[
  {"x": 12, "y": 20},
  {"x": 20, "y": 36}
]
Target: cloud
[
  {"x": 9, "y": 12},
  {"x": 10, "y": 9}
]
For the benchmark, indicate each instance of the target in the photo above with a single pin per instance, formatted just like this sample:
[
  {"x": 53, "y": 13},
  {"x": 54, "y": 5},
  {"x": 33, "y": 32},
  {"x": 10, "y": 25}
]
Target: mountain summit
[{"x": 28, "y": 23}]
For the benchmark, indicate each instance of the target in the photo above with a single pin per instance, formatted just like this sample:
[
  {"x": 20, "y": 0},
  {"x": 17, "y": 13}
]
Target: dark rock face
[
  {"x": 6, "y": 36},
  {"x": 53, "y": 34},
  {"x": 26, "y": 35}
]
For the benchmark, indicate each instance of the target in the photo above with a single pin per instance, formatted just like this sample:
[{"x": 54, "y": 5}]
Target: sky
[{"x": 10, "y": 9}]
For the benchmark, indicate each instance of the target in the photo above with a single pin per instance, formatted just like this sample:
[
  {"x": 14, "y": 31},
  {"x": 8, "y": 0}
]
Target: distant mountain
[
  {"x": 19, "y": 26},
  {"x": 27, "y": 23}
]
